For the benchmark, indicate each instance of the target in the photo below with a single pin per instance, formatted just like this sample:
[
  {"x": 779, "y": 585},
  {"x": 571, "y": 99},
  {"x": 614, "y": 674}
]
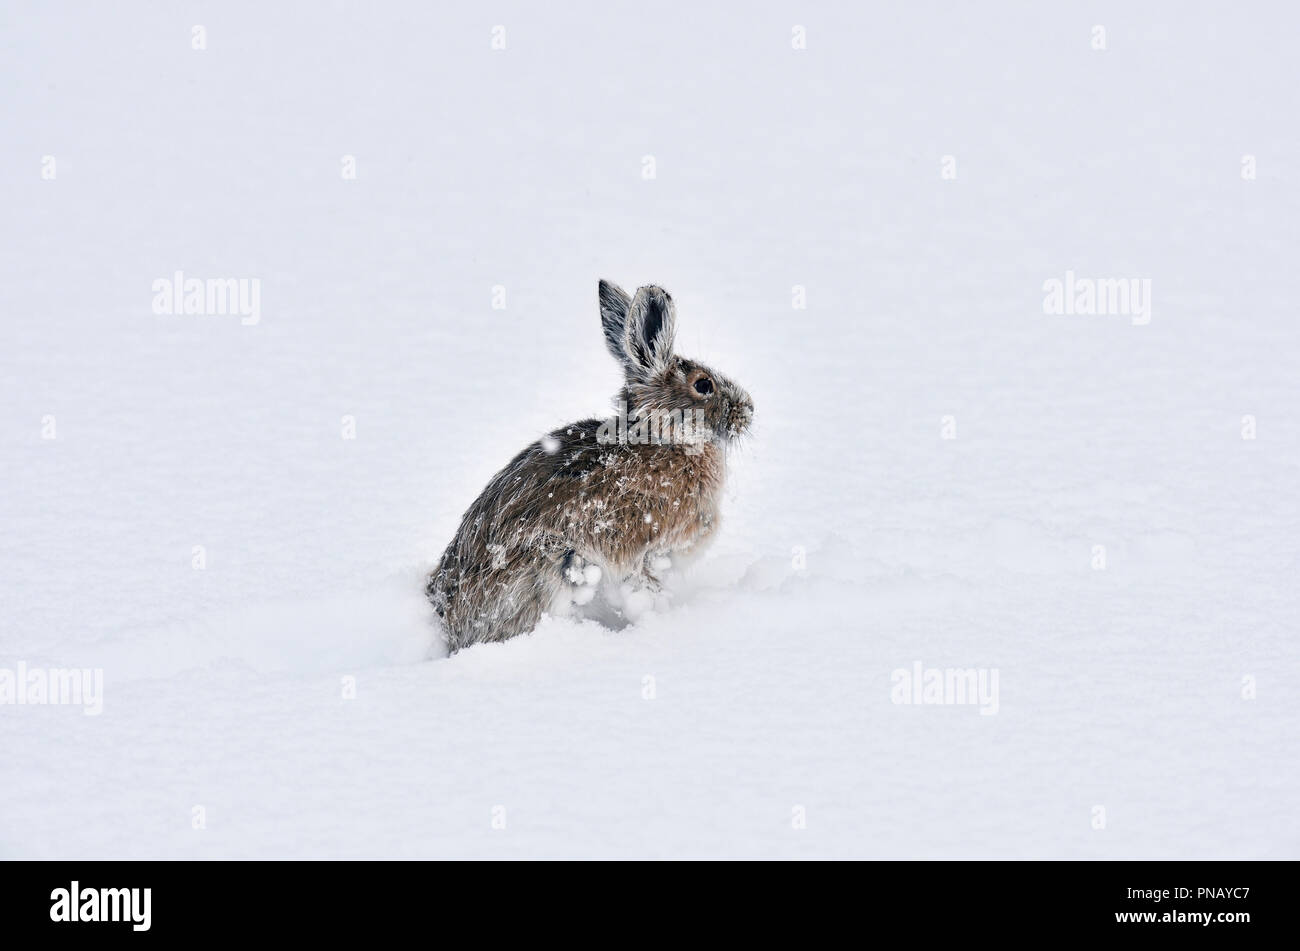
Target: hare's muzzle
[{"x": 740, "y": 414}]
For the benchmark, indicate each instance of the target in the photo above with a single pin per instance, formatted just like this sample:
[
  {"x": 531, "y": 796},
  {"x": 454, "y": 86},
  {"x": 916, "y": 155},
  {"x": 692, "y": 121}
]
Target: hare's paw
[
  {"x": 643, "y": 594},
  {"x": 654, "y": 569},
  {"x": 581, "y": 579},
  {"x": 637, "y": 601},
  {"x": 658, "y": 565},
  {"x": 580, "y": 572}
]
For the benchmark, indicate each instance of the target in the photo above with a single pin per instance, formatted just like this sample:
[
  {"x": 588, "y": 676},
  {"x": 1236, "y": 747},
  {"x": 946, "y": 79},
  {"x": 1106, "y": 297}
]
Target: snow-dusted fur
[{"x": 589, "y": 503}]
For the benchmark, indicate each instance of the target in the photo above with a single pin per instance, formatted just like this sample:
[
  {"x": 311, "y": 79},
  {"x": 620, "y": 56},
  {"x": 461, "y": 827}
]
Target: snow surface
[{"x": 1120, "y": 688}]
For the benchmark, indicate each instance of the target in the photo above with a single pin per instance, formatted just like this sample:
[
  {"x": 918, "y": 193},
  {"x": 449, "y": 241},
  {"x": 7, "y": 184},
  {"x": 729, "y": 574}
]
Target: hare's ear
[
  {"x": 614, "y": 304},
  {"x": 651, "y": 324}
]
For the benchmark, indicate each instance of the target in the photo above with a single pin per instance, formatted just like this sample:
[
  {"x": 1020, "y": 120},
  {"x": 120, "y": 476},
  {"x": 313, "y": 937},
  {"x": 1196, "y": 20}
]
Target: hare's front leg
[
  {"x": 644, "y": 589},
  {"x": 654, "y": 568},
  {"x": 659, "y": 561}
]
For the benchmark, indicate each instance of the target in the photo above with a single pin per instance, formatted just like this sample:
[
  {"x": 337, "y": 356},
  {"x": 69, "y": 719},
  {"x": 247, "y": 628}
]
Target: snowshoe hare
[{"x": 612, "y": 502}]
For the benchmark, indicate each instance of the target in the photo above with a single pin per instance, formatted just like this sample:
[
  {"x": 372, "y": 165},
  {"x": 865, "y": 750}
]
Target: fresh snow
[{"x": 288, "y": 697}]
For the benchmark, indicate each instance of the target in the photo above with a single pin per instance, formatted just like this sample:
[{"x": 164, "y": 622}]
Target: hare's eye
[{"x": 704, "y": 386}]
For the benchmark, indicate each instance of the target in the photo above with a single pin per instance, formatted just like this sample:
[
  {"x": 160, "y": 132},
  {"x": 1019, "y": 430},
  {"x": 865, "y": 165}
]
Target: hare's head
[{"x": 639, "y": 332}]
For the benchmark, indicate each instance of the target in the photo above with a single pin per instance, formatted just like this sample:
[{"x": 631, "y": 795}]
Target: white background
[{"x": 1120, "y": 688}]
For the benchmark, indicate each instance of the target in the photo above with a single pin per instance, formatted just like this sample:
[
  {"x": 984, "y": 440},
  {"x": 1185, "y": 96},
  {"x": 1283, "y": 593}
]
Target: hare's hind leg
[
  {"x": 553, "y": 579},
  {"x": 493, "y": 601},
  {"x": 510, "y": 598}
]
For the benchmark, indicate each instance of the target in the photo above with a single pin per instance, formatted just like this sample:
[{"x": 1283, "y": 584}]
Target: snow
[{"x": 288, "y": 698}]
